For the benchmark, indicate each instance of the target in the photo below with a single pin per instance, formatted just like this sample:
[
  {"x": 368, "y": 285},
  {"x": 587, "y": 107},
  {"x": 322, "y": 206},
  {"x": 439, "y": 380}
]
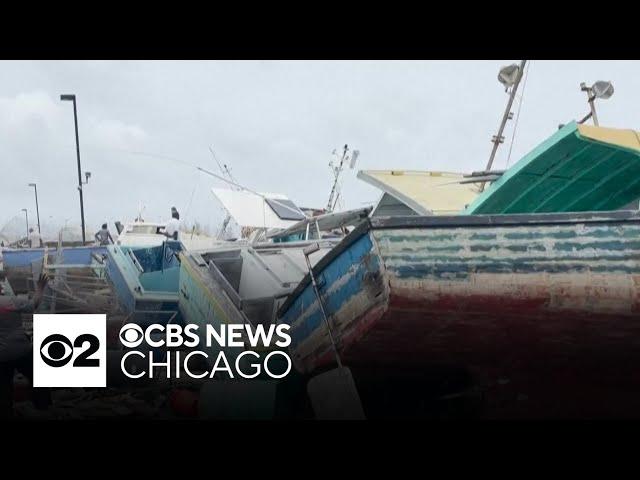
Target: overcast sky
[{"x": 274, "y": 123}]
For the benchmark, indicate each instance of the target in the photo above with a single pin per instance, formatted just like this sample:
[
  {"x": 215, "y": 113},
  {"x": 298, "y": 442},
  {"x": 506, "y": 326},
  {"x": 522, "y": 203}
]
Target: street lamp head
[
  {"x": 24, "y": 210},
  {"x": 32, "y": 184},
  {"x": 67, "y": 97},
  {"x": 602, "y": 89},
  {"x": 509, "y": 75}
]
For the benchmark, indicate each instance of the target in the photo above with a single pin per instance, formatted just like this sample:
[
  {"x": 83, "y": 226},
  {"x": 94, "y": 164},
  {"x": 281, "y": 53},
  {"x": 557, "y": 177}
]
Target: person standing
[
  {"x": 103, "y": 236},
  {"x": 173, "y": 226},
  {"x": 35, "y": 240}
]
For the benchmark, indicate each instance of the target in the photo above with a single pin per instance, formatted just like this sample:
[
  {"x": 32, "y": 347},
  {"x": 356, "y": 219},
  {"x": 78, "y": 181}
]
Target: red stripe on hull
[{"x": 529, "y": 361}]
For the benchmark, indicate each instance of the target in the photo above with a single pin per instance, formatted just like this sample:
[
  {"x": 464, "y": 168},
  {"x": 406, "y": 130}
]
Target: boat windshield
[{"x": 143, "y": 229}]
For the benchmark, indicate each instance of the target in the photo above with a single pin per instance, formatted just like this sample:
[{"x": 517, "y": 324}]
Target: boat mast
[
  {"x": 499, "y": 138},
  {"x": 336, "y": 175},
  {"x": 337, "y": 170},
  {"x": 226, "y": 173}
]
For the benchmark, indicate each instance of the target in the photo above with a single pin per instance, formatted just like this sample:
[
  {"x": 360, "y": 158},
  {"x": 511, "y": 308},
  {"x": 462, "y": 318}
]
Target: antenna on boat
[
  {"x": 337, "y": 168},
  {"x": 510, "y": 77},
  {"x": 226, "y": 173},
  {"x": 600, "y": 89},
  {"x": 224, "y": 169},
  {"x": 141, "y": 208}
]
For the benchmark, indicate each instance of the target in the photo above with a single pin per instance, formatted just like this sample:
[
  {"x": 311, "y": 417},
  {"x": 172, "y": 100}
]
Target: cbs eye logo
[
  {"x": 131, "y": 335},
  {"x": 69, "y": 350},
  {"x": 56, "y": 350}
]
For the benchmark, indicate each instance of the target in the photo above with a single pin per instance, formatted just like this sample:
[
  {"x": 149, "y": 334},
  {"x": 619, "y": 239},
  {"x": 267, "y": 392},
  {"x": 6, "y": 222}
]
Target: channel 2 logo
[{"x": 69, "y": 350}]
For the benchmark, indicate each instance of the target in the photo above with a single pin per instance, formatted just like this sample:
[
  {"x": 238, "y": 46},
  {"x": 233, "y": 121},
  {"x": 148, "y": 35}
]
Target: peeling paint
[{"x": 415, "y": 295}]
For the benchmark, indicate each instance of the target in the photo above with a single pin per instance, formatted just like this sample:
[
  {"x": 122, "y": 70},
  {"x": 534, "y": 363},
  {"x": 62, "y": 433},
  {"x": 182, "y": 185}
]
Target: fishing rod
[{"x": 209, "y": 172}]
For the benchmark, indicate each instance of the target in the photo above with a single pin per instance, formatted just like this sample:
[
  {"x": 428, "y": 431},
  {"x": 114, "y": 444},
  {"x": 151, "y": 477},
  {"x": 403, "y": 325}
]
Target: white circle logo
[{"x": 131, "y": 335}]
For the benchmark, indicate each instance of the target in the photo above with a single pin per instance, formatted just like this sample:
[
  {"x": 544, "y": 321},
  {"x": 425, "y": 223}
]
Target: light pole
[
  {"x": 35, "y": 188},
  {"x": 72, "y": 98},
  {"x": 26, "y": 217}
]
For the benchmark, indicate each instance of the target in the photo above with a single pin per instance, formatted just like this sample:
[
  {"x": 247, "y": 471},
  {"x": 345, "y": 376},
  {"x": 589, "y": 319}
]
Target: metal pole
[
  {"x": 308, "y": 251},
  {"x": 335, "y": 181},
  {"x": 592, "y": 99},
  {"x": 35, "y": 187},
  {"x": 498, "y": 138},
  {"x": 26, "y": 216},
  {"x": 75, "y": 119}
]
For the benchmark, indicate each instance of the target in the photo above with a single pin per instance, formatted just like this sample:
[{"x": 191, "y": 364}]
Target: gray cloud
[{"x": 274, "y": 123}]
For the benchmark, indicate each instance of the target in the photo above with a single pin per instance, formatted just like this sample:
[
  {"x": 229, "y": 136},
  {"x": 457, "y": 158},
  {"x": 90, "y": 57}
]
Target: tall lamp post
[
  {"x": 26, "y": 217},
  {"x": 72, "y": 98},
  {"x": 35, "y": 188}
]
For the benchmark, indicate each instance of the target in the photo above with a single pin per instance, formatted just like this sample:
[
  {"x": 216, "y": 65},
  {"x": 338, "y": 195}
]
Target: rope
[
  {"x": 515, "y": 126},
  {"x": 195, "y": 186},
  {"x": 219, "y": 177}
]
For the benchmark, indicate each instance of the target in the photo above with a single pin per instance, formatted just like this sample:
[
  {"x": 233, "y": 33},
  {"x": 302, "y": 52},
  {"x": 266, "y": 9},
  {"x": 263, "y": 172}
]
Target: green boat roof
[{"x": 579, "y": 168}]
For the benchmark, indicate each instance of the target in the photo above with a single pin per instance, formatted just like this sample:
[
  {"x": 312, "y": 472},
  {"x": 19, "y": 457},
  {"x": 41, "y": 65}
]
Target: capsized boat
[
  {"x": 146, "y": 281},
  {"x": 244, "y": 282},
  {"x": 547, "y": 304},
  {"x": 579, "y": 168},
  {"x": 240, "y": 283}
]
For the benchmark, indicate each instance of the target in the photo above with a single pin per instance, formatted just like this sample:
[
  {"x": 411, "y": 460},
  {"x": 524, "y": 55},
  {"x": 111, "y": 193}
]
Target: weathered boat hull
[
  {"x": 537, "y": 307},
  {"x": 204, "y": 301},
  {"x": 146, "y": 281},
  {"x": 20, "y": 264},
  {"x": 265, "y": 274},
  {"x": 24, "y": 257}
]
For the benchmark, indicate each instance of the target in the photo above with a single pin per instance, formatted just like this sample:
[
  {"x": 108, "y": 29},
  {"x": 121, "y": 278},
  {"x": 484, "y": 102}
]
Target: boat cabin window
[{"x": 285, "y": 209}]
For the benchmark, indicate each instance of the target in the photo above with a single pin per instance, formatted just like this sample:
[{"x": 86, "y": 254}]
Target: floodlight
[
  {"x": 602, "y": 89},
  {"x": 508, "y": 75}
]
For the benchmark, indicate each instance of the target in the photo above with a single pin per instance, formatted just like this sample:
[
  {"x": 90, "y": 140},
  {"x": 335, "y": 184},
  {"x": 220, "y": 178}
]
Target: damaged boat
[
  {"x": 549, "y": 298},
  {"x": 533, "y": 284},
  {"x": 246, "y": 282}
]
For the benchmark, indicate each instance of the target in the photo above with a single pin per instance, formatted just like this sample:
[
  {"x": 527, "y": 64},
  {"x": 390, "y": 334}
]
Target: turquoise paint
[
  {"x": 539, "y": 235},
  {"x": 475, "y": 206},
  {"x": 161, "y": 281},
  {"x": 425, "y": 237},
  {"x": 483, "y": 236},
  {"x": 565, "y": 173},
  {"x": 614, "y": 245},
  {"x": 156, "y": 288}
]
